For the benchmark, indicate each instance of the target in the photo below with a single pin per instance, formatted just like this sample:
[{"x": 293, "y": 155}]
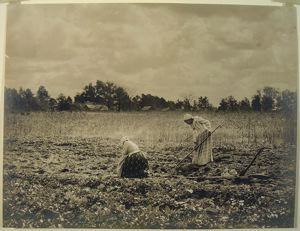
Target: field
[{"x": 59, "y": 171}]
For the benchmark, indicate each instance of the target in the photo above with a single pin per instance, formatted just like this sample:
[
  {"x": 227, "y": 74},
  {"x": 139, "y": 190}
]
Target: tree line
[{"x": 116, "y": 98}]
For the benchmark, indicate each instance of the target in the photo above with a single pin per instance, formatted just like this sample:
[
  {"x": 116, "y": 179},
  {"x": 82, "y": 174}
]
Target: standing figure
[
  {"x": 133, "y": 163},
  {"x": 201, "y": 129}
]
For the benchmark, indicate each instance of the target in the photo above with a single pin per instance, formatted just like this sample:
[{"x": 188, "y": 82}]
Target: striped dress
[{"x": 201, "y": 129}]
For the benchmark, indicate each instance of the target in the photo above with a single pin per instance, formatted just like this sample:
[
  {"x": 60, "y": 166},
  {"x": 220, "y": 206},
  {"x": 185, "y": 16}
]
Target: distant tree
[
  {"x": 162, "y": 102},
  {"x": 186, "y": 104},
  {"x": 189, "y": 102},
  {"x": 287, "y": 101},
  {"x": 256, "y": 102},
  {"x": 117, "y": 98},
  {"x": 12, "y": 100},
  {"x": 122, "y": 99},
  {"x": 224, "y": 105},
  {"x": 244, "y": 105},
  {"x": 42, "y": 94},
  {"x": 79, "y": 98},
  {"x": 22, "y": 102},
  {"x": 179, "y": 104},
  {"x": 203, "y": 103},
  {"x": 52, "y": 104},
  {"x": 43, "y": 98},
  {"x": 30, "y": 103},
  {"x": 64, "y": 103},
  {"x": 69, "y": 100},
  {"x": 269, "y": 98},
  {"x": 271, "y": 92},
  {"x": 228, "y": 104},
  {"x": 194, "y": 106},
  {"x": 146, "y": 100},
  {"x": 267, "y": 103},
  {"x": 233, "y": 104},
  {"x": 103, "y": 93},
  {"x": 153, "y": 101},
  {"x": 89, "y": 93},
  {"x": 171, "y": 105},
  {"x": 106, "y": 93},
  {"x": 135, "y": 103}
]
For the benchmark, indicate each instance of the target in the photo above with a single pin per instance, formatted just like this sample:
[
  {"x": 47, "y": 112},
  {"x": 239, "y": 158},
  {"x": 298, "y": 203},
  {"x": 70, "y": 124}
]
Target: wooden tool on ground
[{"x": 257, "y": 154}]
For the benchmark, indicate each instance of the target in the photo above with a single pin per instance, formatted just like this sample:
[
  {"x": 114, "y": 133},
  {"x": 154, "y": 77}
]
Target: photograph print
[{"x": 157, "y": 116}]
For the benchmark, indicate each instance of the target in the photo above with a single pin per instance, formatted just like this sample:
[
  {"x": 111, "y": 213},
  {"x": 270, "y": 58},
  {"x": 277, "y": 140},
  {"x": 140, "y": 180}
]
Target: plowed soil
[{"x": 51, "y": 182}]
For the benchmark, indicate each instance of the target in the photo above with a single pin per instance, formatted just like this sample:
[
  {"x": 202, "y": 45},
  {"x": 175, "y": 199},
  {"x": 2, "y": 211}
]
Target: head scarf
[
  {"x": 124, "y": 139},
  {"x": 187, "y": 117}
]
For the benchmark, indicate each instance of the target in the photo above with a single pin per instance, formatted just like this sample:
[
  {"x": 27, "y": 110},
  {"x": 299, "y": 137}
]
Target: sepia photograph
[{"x": 150, "y": 116}]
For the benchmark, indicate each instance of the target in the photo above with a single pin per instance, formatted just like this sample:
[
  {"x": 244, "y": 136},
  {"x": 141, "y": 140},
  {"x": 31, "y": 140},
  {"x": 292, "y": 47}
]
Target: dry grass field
[
  {"x": 151, "y": 127},
  {"x": 59, "y": 171}
]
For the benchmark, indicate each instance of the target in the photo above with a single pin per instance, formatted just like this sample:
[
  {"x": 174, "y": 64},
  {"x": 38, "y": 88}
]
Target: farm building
[
  {"x": 97, "y": 107},
  {"x": 165, "y": 109},
  {"x": 146, "y": 108}
]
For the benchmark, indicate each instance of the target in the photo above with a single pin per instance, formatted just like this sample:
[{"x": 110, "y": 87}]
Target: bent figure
[
  {"x": 201, "y": 130},
  {"x": 133, "y": 163}
]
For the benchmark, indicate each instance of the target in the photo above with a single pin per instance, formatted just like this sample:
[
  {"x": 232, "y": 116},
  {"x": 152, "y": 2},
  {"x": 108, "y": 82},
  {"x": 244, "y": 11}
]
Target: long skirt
[
  {"x": 203, "y": 154},
  {"x": 134, "y": 166}
]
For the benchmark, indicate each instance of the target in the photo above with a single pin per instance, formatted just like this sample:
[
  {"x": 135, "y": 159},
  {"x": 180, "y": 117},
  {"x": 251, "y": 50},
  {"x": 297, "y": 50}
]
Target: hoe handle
[{"x": 195, "y": 148}]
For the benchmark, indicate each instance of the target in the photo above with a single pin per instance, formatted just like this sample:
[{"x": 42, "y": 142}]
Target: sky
[{"x": 169, "y": 50}]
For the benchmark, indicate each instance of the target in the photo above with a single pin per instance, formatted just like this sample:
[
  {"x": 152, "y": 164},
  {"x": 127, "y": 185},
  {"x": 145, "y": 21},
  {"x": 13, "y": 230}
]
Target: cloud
[{"x": 164, "y": 49}]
